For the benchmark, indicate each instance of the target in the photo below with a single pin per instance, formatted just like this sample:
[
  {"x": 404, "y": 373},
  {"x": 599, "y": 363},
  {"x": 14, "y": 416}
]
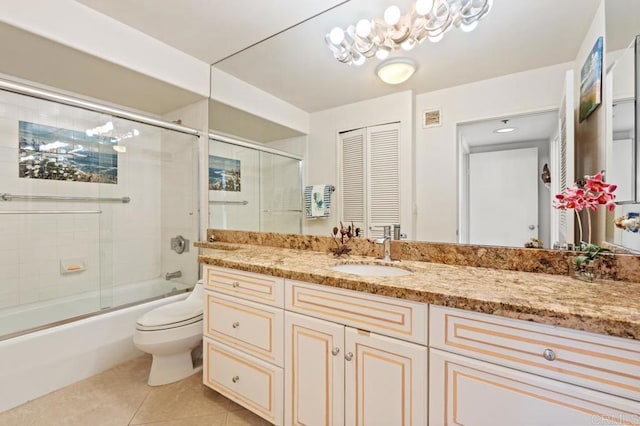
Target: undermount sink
[{"x": 371, "y": 270}]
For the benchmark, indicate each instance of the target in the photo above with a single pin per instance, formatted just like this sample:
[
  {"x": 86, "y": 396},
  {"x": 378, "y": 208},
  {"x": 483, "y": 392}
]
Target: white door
[
  {"x": 464, "y": 391},
  {"x": 503, "y": 197},
  {"x": 314, "y": 371},
  {"x": 385, "y": 380}
]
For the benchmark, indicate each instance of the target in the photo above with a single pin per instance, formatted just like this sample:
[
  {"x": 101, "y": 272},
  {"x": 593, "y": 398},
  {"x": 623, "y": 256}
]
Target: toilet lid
[{"x": 172, "y": 314}]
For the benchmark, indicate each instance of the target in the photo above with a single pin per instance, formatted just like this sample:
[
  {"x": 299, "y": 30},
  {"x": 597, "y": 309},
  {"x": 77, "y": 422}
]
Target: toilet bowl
[{"x": 170, "y": 333}]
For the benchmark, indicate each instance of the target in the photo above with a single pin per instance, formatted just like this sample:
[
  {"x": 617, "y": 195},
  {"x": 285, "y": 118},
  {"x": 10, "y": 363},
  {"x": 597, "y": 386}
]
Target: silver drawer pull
[
  {"x": 235, "y": 324},
  {"x": 235, "y": 284},
  {"x": 335, "y": 351},
  {"x": 348, "y": 356},
  {"x": 235, "y": 379},
  {"x": 549, "y": 355}
]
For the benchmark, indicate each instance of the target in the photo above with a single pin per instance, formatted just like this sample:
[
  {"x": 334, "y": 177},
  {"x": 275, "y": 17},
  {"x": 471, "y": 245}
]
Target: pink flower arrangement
[{"x": 593, "y": 193}]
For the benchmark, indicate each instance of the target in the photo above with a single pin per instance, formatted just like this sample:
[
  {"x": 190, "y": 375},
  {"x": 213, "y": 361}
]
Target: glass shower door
[
  {"x": 280, "y": 194},
  {"x": 234, "y": 185}
]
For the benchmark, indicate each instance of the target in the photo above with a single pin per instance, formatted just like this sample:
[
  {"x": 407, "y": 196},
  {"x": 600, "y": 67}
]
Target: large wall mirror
[
  {"x": 622, "y": 146},
  {"x": 289, "y": 93}
]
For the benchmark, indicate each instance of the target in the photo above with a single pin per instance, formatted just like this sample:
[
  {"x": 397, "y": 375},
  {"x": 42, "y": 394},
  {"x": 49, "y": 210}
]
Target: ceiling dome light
[
  {"x": 396, "y": 71},
  {"x": 505, "y": 130}
]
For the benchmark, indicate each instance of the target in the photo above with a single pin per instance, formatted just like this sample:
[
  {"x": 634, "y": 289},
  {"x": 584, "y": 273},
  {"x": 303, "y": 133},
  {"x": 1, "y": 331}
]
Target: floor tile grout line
[{"x": 140, "y": 406}]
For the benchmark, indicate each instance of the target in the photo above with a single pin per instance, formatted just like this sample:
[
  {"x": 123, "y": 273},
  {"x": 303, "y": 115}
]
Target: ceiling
[
  {"x": 531, "y": 127},
  {"x": 210, "y": 30},
  {"x": 517, "y": 35},
  {"x": 295, "y": 65}
]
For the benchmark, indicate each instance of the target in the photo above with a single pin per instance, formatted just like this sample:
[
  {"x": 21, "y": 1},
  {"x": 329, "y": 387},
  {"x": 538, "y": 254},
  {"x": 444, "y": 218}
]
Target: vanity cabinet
[
  {"x": 243, "y": 340},
  {"x": 486, "y": 369},
  {"x": 337, "y": 374}
]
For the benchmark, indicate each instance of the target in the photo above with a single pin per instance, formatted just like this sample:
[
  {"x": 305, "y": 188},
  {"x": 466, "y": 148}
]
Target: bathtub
[{"x": 40, "y": 362}]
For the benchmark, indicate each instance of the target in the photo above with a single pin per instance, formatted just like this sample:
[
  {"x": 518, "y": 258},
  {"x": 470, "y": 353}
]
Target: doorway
[{"x": 505, "y": 196}]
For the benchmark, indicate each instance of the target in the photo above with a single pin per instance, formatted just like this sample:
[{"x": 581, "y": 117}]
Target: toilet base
[{"x": 171, "y": 368}]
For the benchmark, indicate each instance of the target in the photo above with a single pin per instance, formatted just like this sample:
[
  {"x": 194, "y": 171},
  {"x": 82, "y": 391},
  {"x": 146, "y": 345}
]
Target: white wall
[
  {"x": 322, "y": 157},
  {"x": 436, "y": 157},
  {"x": 121, "y": 245},
  {"x": 234, "y": 92},
  {"x": 78, "y": 26}
]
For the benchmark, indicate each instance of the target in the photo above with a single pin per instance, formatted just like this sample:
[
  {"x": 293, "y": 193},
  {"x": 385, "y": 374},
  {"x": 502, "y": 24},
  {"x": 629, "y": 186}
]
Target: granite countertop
[{"x": 602, "y": 306}]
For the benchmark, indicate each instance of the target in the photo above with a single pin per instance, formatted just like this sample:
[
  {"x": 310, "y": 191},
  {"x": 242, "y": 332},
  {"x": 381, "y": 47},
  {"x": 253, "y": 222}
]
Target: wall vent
[{"x": 432, "y": 118}]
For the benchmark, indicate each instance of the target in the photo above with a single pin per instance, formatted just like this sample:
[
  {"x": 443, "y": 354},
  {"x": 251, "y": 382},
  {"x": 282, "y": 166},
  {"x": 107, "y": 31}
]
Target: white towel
[{"x": 317, "y": 200}]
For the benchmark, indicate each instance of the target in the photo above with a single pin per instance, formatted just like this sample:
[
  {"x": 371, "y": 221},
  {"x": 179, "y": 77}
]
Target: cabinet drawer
[
  {"x": 252, "y": 327},
  {"x": 465, "y": 391},
  {"x": 384, "y": 315},
  {"x": 252, "y": 383},
  {"x": 247, "y": 285},
  {"x": 605, "y": 363}
]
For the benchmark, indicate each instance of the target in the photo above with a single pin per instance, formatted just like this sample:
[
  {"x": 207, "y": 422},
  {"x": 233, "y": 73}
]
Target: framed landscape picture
[
  {"x": 54, "y": 153},
  {"x": 591, "y": 81},
  {"x": 224, "y": 174}
]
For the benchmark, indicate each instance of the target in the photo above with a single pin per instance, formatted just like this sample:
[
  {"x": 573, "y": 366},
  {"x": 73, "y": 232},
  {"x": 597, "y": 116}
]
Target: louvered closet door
[
  {"x": 353, "y": 177},
  {"x": 383, "y": 159}
]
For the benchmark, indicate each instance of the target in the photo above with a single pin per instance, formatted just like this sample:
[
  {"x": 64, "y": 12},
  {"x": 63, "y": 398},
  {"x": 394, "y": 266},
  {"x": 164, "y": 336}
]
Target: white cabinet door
[
  {"x": 314, "y": 371},
  {"x": 464, "y": 391},
  {"x": 385, "y": 380}
]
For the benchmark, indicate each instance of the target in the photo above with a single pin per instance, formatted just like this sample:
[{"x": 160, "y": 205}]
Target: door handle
[{"x": 532, "y": 227}]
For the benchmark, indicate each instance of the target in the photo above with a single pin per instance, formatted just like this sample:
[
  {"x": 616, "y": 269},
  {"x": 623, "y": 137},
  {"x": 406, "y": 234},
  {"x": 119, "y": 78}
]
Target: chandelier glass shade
[{"x": 428, "y": 19}]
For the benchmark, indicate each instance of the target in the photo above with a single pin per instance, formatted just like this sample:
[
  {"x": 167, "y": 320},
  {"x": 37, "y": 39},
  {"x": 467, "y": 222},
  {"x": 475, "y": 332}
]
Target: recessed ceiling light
[
  {"x": 396, "y": 71},
  {"x": 504, "y": 129}
]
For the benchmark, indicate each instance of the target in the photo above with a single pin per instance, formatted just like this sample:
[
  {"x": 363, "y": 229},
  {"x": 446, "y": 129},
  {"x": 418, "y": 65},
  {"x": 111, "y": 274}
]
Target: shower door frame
[{"x": 219, "y": 137}]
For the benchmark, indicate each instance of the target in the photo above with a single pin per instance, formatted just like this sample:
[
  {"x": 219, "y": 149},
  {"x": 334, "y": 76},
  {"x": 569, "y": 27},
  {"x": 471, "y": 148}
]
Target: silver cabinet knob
[
  {"x": 348, "y": 356},
  {"x": 335, "y": 351},
  {"x": 549, "y": 355},
  {"x": 235, "y": 379},
  {"x": 235, "y": 284},
  {"x": 235, "y": 324},
  {"x": 532, "y": 227}
]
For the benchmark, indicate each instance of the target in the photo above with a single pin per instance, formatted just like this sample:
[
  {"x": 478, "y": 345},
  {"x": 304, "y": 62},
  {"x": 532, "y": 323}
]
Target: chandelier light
[{"x": 428, "y": 19}]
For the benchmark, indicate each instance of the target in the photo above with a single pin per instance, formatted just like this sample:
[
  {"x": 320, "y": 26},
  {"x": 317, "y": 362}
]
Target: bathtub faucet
[{"x": 176, "y": 274}]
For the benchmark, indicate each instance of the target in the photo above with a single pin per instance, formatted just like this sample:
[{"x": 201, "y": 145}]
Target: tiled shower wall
[{"x": 120, "y": 246}]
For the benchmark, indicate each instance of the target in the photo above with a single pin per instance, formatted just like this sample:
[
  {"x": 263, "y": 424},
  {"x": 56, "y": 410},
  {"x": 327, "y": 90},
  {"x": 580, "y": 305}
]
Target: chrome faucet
[
  {"x": 386, "y": 241},
  {"x": 169, "y": 275}
]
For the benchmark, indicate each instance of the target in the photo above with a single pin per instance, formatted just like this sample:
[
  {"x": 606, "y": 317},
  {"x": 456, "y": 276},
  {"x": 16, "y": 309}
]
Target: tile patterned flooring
[{"x": 121, "y": 397}]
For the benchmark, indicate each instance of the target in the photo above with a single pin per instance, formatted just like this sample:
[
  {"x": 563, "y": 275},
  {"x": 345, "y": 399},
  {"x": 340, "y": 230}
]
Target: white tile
[{"x": 10, "y": 272}]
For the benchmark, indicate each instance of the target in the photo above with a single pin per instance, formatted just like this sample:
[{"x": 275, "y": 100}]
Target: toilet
[{"x": 170, "y": 333}]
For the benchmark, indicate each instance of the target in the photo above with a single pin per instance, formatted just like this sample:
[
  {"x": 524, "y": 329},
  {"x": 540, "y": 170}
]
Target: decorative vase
[{"x": 585, "y": 272}]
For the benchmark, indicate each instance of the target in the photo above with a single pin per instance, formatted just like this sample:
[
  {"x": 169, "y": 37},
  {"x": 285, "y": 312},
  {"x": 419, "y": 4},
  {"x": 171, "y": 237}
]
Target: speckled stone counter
[{"x": 606, "y": 307}]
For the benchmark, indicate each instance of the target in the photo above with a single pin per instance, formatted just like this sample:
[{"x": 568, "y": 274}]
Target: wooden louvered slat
[
  {"x": 353, "y": 172},
  {"x": 384, "y": 177}
]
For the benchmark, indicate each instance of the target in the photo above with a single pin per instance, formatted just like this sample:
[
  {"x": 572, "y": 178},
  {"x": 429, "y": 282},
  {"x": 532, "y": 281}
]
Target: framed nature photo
[
  {"x": 224, "y": 174},
  {"x": 591, "y": 81}
]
